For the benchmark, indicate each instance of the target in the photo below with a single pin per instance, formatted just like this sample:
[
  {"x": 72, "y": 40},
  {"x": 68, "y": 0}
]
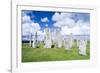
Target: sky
[{"x": 69, "y": 22}]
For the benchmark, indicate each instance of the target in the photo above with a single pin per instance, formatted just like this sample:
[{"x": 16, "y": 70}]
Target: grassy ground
[{"x": 30, "y": 54}]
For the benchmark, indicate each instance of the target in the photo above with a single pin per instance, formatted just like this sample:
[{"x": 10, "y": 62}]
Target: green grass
[{"x": 30, "y": 54}]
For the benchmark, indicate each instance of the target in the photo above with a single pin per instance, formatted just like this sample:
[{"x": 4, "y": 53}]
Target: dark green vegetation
[{"x": 30, "y": 54}]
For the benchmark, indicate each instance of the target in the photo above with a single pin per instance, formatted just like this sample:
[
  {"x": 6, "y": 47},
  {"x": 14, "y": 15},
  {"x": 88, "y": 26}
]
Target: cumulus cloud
[
  {"x": 66, "y": 15},
  {"x": 25, "y": 28},
  {"x": 65, "y": 22},
  {"x": 28, "y": 26},
  {"x": 76, "y": 30},
  {"x": 35, "y": 26},
  {"x": 26, "y": 18},
  {"x": 68, "y": 25},
  {"x": 61, "y": 16},
  {"x": 81, "y": 29},
  {"x": 81, "y": 22},
  {"x": 63, "y": 19},
  {"x": 44, "y": 19},
  {"x": 56, "y": 17},
  {"x": 65, "y": 30}
]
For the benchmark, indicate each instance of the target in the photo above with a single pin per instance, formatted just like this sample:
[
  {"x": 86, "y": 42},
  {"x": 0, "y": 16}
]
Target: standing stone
[
  {"x": 48, "y": 41},
  {"x": 59, "y": 43},
  {"x": 58, "y": 38},
  {"x": 77, "y": 42},
  {"x": 30, "y": 40},
  {"x": 30, "y": 37},
  {"x": 67, "y": 44},
  {"x": 71, "y": 40},
  {"x": 33, "y": 43},
  {"x": 82, "y": 47},
  {"x": 35, "y": 39},
  {"x": 30, "y": 44}
]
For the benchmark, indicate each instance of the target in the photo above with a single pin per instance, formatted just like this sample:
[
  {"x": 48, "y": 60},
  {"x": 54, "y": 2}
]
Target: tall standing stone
[
  {"x": 30, "y": 40},
  {"x": 48, "y": 41},
  {"x": 66, "y": 43},
  {"x": 58, "y": 38},
  {"x": 82, "y": 47},
  {"x": 71, "y": 40},
  {"x": 33, "y": 43}
]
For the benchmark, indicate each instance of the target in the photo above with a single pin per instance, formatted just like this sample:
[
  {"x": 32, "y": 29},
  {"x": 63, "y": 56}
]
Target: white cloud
[
  {"x": 40, "y": 32},
  {"x": 65, "y": 30},
  {"x": 81, "y": 22},
  {"x": 85, "y": 29},
  {"x": 61, "y": 16},
  {"x": 44, "y": 19},
  {"x": 68, "y": 15},
  {"x": 26, "y": 19},
  {"x": 36, "y": 26},
  {"x": 56, "y": 17},
  {"x": 63, "y": 19},
  {"x": 68, "y": 25},
  {"x": 28, "y": 26},
  {"x": 57, "y": 24},
  {"x": 76, "y": 30},
  {"x": 25, "y": 28},
  {"x": 65, "y": 22},
  {"x": 81, "y": 29},
  {"x": 31, "y": 28}
]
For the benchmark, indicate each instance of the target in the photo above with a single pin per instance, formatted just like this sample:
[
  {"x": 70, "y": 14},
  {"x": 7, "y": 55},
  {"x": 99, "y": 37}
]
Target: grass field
[{"x": 30, "y": 54}]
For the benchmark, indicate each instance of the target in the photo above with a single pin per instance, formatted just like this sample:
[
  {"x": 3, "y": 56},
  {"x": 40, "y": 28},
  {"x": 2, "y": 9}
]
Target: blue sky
[
  {"x": 36, "y": 17},
  {"x": 69, "y": 22}
]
